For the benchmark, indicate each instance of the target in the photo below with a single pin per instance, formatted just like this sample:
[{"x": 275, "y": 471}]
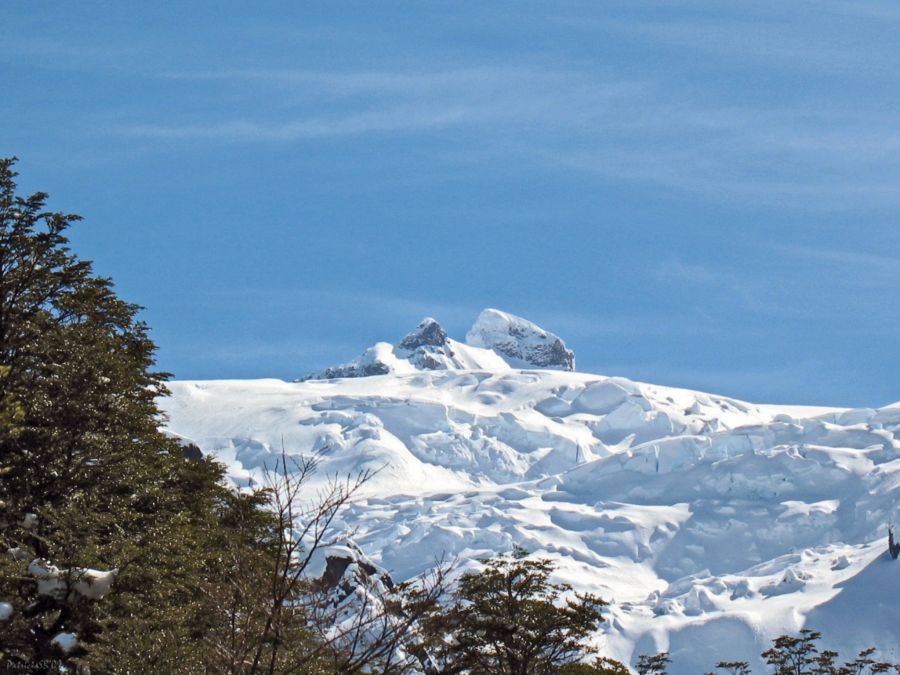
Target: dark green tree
[
  {"x": 800, "y": 655},
  {"x": 509, "y": 619},
  {"x": 734, "y": 667},
  {"x": 601, "y": 666},
  {"x": 118, "y": 544},
  {"x": 794, "y": 655},
  {"x": 864, "y": 663},
  {"x": 657, "y": 664}
]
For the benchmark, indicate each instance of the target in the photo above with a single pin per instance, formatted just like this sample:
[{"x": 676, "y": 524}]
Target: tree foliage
[
  {"x": 657, "y": 664},
  {"x": 89, "y": 484},
  {"x": 800, "y": 655},
  {"x": 509, "y": 619},
  {"x": 602, "y": 665},
  {"x": 734, "y": 667}
]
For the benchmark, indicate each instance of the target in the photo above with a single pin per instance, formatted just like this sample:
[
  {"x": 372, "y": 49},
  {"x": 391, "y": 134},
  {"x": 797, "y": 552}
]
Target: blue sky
[{"x": 701, "y": 194}]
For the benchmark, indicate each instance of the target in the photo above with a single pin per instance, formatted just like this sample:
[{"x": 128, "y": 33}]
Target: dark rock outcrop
[
  {"x": 429, "y": 333},
  {"x": 351, "y": 370}
]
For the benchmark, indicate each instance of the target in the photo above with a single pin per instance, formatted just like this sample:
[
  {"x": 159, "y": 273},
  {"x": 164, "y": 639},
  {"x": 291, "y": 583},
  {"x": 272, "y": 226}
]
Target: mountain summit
[
  {"x": 497, "y": 341},
  {"x": 520, "y": 341}
]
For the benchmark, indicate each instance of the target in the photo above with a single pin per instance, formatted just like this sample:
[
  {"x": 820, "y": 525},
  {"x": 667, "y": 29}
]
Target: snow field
[{"x": 704, "y": 520}]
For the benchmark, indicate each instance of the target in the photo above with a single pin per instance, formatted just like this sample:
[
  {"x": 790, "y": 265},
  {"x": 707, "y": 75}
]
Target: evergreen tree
[
  {"x": 658, "y": 664},
  {"x": 509, "y": 619},
  {"x": 116, "y": 541}
]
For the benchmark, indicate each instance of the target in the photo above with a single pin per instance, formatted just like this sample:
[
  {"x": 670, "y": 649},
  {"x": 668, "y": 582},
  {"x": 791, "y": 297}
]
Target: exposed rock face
[
  {"x": 191, "y": 452},
  {"x": 519, "y": 339},
  {"x": 427, "y": 347},
  {"x": 189, "y": 449},
  {"x": 429, "y": 333},
  {"x": 337, "y": 578},
  {"x": 351, "y": 370},
  {"x": 496, "y": 342}
]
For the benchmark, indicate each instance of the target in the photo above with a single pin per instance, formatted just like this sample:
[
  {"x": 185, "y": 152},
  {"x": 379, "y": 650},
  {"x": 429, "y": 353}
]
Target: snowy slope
[{"x": 707, "y": 521}]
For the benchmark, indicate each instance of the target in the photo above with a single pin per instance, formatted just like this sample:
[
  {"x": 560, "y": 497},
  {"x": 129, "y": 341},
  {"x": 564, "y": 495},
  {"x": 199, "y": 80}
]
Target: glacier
[{"x": 710, "y": 524}]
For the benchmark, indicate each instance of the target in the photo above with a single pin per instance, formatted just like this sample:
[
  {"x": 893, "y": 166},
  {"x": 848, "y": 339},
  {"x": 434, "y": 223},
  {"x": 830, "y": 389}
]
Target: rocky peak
[
  {"x": 520, "y": 340},
  {"x": 496, "y": 342},
  {"x": 429, "y": 333}
]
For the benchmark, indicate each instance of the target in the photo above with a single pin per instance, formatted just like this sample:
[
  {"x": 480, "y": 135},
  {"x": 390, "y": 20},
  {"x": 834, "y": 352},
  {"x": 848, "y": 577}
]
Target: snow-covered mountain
[
  {"x": 496, "y": 342},
  {"x": 519, "y": 341},
  {"x": 711, "y": 524}
]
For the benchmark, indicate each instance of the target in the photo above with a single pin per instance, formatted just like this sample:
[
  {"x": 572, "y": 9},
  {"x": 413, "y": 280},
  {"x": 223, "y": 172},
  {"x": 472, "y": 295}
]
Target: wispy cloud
[
  {"x": 353, "y": 82},
  {"x": 397, "y": 120},
  {"x": 861, "y": 268},
  {"x": 675, "y": 270},
  {"x": 807, "y": 36},
  {"x": 548, "y": 111},
  {"x": 878, "y": 10},
  {"x": 803, "y": 156},
  {"x": 355, "y": 102},
  {"x": 766, "y": 39}
]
